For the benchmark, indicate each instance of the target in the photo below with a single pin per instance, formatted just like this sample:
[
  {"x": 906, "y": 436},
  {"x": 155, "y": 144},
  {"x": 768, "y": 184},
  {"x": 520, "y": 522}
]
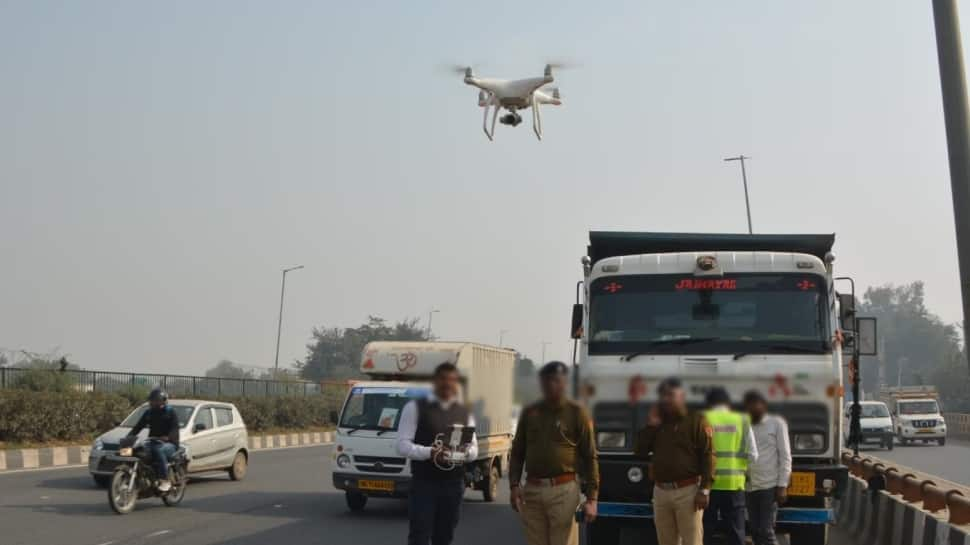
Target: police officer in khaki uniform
[
  {"x": 682, "y": 465},
  {"x": 554, "y": 442}
]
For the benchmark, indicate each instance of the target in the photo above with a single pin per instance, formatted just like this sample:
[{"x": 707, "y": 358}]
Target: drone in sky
[{"x": 513, "y": 95}]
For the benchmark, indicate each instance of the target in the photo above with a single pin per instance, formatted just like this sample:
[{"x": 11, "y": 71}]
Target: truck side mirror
[
  {"x": 576, "y": 331},
  {"x": 866, "y": 336},
  {"x": 847, "y": 312}
]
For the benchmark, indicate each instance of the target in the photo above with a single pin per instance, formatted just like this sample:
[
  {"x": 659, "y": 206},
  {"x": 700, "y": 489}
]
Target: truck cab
[{"x": 738, "y": 311}]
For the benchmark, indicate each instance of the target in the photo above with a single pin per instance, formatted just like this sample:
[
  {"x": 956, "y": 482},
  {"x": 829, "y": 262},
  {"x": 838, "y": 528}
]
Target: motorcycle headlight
[
  {"x": 126, "y": 451},
  {"x": 343, "y": 461},
  {"x": 809, "y": 442},
  {"x": 611, "y": 439}
]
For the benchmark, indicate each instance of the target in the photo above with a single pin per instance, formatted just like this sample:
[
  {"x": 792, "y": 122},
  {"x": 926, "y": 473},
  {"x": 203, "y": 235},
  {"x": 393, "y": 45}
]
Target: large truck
[
  {"x": 916, "y": 413},
  {"x": 366, "y": 463},
  {"x": 741, "y": 312}
]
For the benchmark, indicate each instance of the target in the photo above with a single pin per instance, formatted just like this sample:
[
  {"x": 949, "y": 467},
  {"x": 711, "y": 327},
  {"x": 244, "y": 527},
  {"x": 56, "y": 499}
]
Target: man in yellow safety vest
[{"x": 734, "y": 449}]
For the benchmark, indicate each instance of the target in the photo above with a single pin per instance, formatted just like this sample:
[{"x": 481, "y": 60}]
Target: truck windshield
[
  {"x": 377, "y": 408},
  {"x": 740, "y": 313},
  {"x": 918, "y": 407}
]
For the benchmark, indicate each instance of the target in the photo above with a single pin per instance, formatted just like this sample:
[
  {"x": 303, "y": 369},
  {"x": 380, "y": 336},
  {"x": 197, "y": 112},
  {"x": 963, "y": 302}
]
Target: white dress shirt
[
  {"x": 773, "y": 467},
  {"x": 408, "y": 425}
]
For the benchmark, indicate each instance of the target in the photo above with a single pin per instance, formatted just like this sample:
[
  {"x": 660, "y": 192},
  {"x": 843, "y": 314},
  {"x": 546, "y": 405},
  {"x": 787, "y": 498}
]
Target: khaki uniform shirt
[
  {"x": 682, "y": 448},
  {"x": 555, "y": 440}
]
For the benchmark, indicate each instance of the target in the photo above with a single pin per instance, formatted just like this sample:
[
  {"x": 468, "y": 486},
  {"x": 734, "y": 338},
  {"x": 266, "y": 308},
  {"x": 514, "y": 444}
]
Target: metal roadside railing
[
  {"x": 958, "y": 425},
  {"x": 914, "y": 487},
  {"x": 176, "y": 385}
]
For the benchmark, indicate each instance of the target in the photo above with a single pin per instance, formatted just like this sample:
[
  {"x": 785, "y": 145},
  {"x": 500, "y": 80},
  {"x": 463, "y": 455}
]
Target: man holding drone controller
[{"x": 437, "y": 435}]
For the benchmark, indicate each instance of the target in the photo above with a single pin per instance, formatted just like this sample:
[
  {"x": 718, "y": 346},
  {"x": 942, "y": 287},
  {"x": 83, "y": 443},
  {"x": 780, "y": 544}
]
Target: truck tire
[
  {"x": 490, "y": 486},
  {"x": 810, "y": 535},
  {"x": 356, "y": 501}
]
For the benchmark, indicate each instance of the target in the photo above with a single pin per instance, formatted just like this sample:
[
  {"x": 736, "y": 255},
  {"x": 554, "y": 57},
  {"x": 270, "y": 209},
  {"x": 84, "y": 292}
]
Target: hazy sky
[{"x": 161, "y": 162}]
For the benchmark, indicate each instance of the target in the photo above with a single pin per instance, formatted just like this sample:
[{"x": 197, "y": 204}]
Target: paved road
[
  {"x": 286, "y": 498},
  {"x": 949, "y": 462}
]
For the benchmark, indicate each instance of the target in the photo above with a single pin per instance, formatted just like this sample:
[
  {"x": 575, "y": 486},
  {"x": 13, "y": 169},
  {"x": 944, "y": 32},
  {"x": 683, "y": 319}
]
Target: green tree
[
  {"x": 915, "y": 345},
  {"x": 334, "y": 353},
  {"x": 228, "y": 369}
]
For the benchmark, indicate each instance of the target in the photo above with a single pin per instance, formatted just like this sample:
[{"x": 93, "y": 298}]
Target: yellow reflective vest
[{"x": 730, "y": 448}]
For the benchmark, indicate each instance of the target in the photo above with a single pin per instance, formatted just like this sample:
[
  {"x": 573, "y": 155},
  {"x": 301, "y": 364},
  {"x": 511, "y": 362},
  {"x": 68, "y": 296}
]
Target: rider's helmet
[{"x": 158, "y": 395}]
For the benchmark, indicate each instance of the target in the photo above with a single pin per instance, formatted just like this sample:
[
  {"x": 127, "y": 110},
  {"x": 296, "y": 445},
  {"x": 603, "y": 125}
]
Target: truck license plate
[
  {"x": 382, "y": 486},
  {"x": 802, "y": 484}
]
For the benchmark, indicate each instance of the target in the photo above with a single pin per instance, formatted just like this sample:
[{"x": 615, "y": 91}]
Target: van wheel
[
  {"x": 490, "y": 486},
  {"x": 240, "y": 464},
  {"x": 356, "y": 501},
  {"x": 943, "y": 441}
]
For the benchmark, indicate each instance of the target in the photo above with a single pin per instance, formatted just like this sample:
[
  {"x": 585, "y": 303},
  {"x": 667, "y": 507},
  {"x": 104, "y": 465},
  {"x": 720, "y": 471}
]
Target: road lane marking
[{"x": 158, "y": 533}]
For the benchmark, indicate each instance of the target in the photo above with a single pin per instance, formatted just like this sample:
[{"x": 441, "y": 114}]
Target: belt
[
  {"x": 565, "y": 478},
  {"x": 690, "y": 481}
]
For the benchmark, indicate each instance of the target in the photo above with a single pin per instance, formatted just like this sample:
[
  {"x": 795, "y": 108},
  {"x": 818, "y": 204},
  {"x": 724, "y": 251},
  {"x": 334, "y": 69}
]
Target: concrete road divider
[
  {"x": 50, "y": 457},
  {"x": 888, "y": 505}
]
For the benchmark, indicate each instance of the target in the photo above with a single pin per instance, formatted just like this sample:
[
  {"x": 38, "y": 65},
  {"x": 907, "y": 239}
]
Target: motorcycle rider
[{"x": 163, "y": 434}]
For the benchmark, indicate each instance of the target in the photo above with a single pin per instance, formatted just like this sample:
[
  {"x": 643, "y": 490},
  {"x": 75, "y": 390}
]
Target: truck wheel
[
  {"x": 490, "y": 486},
  {"x": 809, "y": 535},
  {"x": 356, "y": 501},
  {"x": 942, "y": 441}
]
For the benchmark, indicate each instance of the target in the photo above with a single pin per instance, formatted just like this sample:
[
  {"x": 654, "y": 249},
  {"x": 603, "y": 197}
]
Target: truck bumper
[
  {"x": 397, "y": 487},
  {"x": 644, "y": 511}
]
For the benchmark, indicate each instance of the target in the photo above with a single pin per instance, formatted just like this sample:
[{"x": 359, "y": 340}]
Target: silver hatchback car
[{"x": 213, "y": 434}]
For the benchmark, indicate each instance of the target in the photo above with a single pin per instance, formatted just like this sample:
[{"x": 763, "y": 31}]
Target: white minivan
[{"x": 875, "y": 422}]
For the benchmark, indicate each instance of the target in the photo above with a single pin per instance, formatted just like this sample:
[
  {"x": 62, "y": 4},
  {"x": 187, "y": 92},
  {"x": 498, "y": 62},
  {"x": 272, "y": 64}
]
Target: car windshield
[
  {"x": 377, "y": 408},
  {"x": 183, "y": 412},
  {"x": 919, "y": 407},
  {"x": 760, "y": 313},
  {"x": 874, "y": 411}
]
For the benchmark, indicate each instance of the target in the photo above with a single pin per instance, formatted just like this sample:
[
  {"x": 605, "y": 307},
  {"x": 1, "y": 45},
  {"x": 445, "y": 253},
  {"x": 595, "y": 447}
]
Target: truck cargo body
[
  {"x": 366, "y": 462},
  {"x": 740, "y": 312}
]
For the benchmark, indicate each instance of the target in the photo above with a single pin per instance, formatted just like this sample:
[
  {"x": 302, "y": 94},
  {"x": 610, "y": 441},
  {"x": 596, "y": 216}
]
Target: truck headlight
[
  {"x": 634, "y": 474},
  {"x": 611, "y": 439},
  {"x": 343, "y": 461},
  {"x": 809, "y": 442}
]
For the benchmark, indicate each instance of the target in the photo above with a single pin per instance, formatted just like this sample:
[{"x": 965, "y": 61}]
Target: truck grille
[{"x": 386, "y": 460}]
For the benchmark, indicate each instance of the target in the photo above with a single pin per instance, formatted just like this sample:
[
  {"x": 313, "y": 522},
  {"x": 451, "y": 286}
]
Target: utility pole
[
  {"x": 744, "y": 178},
  {"x": 544, "y": 344},
  {"x": 279, "y": 325},
  {"x": 431, "y": 313},
  {"x": 956, "y": 115},
  {"x": 501, "y": 336}
]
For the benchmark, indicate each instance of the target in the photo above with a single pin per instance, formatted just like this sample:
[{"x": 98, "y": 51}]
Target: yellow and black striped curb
[{"x": 38, "y": 458}]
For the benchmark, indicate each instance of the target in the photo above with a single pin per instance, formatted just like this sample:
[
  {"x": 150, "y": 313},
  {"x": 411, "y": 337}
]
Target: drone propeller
[
  {"x": 461, "y": 69},
  {"x": 551, "y": 91}
]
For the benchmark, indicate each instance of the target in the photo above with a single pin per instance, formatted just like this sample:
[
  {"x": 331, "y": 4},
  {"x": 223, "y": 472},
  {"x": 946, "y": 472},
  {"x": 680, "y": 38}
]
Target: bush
[{"x": 41, "y": 416}]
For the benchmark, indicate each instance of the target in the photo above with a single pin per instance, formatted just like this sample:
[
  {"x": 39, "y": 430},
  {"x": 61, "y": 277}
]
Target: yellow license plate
[
  {"x": 802, "y": 484},
  {"x": 382, "y": 486}
]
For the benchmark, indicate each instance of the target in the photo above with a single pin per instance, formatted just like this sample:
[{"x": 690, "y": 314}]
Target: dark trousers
[
  {"x": 161, "y": 452},
  {"x": 725, "y": 515},
  {"x": 762, "y": 509},
  {"x": 434, "y": 508}
]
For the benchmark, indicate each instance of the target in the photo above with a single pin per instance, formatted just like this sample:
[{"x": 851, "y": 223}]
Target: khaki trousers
[
  {"x": 549, "y": 514},
  {"x": 676, "y": 519}
]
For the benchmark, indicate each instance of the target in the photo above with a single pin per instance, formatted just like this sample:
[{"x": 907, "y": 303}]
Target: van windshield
[
  {"x": 742, "y": 312},
  {"x": 874, "y": 411},
  {"x": 377, "y": 408},
  {"x": 919, "y": 407}
]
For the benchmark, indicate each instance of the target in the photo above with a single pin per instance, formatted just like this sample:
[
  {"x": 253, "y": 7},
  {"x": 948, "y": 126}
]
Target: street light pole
[
  {"x": 544, "y": 343},
  {"x": 431, "y": 313},
  {"x": 956, "y": 115},
  {"x": 279, "y": 325},
  {"x": 501, "y": 336},
  {"x": 744, "y": 178}
]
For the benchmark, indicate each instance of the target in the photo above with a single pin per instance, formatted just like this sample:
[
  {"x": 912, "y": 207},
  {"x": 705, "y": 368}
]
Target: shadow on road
[{"x": 69, "y": 483}]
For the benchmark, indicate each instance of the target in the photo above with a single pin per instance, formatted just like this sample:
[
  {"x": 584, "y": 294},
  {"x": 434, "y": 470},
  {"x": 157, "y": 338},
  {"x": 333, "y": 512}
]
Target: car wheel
[
  {"x": 240, "y": 464},
  {"x": 356, "y": 501},
  {"x": 943, "y": 441},
  {"x": 101, "y": 481}
]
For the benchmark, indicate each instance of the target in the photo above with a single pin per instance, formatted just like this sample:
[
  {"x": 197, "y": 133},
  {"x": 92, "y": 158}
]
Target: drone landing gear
[
  {"x": 536, "y": 118},
  {"x": 488, "y": 103}
]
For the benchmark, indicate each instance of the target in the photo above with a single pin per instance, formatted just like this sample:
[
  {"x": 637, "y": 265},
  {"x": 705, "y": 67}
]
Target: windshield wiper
[
  {"x": 671, "y": 342},
  {"x": 382, "y": 431}
]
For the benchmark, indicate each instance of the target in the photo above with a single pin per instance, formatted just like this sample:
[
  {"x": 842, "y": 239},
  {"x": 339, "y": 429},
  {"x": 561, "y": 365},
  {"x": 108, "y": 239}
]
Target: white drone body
[{"x": 513, "y": 95}]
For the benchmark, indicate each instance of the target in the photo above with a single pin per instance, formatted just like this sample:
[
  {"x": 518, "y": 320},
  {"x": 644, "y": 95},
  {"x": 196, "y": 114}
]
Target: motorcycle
[{"x": 135, "y": 477}]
